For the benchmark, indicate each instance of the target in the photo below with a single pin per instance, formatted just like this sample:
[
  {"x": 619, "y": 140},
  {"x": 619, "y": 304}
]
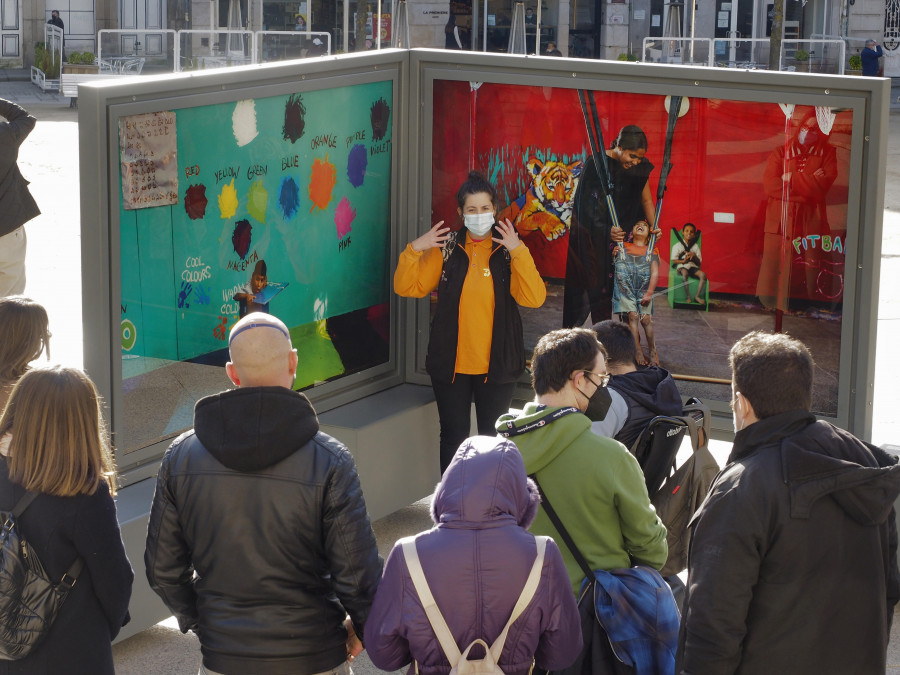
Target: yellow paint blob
[
  {"x": 321, "y": 183},
  {"x": 228, "y": 201}
]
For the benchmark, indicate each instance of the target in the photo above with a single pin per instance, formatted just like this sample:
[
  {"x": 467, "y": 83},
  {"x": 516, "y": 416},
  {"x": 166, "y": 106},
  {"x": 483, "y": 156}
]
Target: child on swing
[{"x": 635, "y": 280}]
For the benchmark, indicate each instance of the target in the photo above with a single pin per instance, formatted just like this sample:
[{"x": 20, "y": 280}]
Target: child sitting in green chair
[{"x": 686, "y": 260}]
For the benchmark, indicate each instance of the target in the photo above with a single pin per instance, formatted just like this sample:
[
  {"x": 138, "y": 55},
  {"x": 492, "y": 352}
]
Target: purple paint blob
[
  {"x": 240, "y": 238},
  {"x": 343, "y": 216},
  {"x": 289, "y": 197},
  {"x": 356, "y": 165}
]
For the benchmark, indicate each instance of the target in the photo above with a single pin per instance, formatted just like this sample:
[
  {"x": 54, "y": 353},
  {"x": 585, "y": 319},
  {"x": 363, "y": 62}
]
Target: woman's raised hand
[
  {"x": 508, "y": 236},
  {"x": 436, "y": 236}
]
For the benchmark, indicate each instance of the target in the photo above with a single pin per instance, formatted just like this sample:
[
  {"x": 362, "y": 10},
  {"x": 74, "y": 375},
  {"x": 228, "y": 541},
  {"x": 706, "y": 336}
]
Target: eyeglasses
[{"x": 604, "y": 379}]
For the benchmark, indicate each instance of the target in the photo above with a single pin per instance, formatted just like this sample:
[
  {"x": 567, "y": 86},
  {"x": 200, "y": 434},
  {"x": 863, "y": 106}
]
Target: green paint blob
[{"x": 257, "y": 200}]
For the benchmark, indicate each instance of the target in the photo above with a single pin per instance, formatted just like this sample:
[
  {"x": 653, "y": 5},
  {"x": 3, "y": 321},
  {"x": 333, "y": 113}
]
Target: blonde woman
[
  {"x": 24, "y": 336},
  {"x": 54, "y": 443}
]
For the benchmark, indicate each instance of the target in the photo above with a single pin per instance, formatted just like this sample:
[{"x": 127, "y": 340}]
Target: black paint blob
[
  {"x": 380, "y": 116},
  {"x": 294, "y": 122}
]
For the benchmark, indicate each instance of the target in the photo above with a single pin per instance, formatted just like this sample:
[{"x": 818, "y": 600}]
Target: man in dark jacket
[
  {"x": 637, "y": 396},
  {"x": 17, "y": 206},
  {"x": 259, "y": 539},
  {"x": 792, "y": 566},
  {"x": 871, "y": 56}
]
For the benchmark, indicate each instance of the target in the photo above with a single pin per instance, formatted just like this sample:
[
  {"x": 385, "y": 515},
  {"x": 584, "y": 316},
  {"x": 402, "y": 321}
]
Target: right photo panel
[{"x": 703, "y": 218}]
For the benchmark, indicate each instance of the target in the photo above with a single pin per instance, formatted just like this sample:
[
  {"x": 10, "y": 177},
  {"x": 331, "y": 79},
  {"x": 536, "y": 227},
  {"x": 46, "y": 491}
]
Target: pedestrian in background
[
  {"x": 55, "y": 20},
  {"x": 871, "y": 59},
  {"x": 17, "y": 206}
]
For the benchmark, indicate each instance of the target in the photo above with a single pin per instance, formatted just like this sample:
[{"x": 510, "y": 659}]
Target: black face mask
[{"x": 598, "y": 404}]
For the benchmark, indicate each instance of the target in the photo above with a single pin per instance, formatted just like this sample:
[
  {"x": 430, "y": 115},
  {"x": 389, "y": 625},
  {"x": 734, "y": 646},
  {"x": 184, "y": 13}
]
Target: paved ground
[{"x": 50, "y": 159}]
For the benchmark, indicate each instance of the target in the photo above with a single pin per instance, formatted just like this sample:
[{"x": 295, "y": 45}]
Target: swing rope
[{"x": 598, "y": 153}]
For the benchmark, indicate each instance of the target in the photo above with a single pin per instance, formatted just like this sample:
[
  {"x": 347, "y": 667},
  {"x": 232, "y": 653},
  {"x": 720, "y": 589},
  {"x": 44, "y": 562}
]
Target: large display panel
[
  {"x": 278, "y": 199},
  {"x": 281, "y": 205},
  {"x": 768, "y": 188}
]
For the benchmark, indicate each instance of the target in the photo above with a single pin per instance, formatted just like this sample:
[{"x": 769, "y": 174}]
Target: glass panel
[
  {"x": 764, "y": 185},
  {"x": 282, "y": 205}
]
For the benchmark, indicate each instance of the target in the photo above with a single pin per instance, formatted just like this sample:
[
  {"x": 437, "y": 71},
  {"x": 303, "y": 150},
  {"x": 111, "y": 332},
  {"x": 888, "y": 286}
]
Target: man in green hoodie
[{"x": 594, "y": 484}]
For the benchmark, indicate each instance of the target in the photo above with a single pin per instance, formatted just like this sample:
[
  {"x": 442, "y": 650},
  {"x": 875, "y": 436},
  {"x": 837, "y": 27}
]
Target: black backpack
[
  {"x": 29, "y": 599},
  {"x": 677, "y": 491}
]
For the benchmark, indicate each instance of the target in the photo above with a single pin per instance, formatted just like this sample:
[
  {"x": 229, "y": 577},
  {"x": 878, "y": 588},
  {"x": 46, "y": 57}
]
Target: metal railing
[
  {"x": 684, "y": 51},
  {"x": 822, "y": 55},
  {"x": 120, "y": 50},
  {"x": 825, "y": 55},
  {"x": 280, "y": 45}
]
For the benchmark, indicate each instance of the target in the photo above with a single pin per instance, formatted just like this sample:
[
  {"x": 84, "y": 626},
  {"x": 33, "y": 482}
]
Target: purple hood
[{"x": 485, "y": 486}]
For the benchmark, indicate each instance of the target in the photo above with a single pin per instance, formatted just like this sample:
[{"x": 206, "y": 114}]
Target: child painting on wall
[
  {"x": 635, "y": 280},
  {"x": 250, "y": 290},
  {"x": 255, "y": 295}
]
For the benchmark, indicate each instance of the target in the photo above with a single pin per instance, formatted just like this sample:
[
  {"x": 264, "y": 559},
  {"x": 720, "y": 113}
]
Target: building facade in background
[{"x": 603, "y": 29}]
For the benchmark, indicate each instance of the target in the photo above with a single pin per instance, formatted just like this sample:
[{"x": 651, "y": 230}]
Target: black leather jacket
[{"x": 259, "y": 538}]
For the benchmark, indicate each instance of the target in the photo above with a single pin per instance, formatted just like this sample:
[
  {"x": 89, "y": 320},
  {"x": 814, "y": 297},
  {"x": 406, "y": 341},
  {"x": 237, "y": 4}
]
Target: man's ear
[
  {"x": 232, "y": 374},
  {"x": 293, "y": 360}
]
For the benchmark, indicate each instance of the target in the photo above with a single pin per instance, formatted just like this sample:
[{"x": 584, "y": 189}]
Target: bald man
[{"x": 259, "y": 539}]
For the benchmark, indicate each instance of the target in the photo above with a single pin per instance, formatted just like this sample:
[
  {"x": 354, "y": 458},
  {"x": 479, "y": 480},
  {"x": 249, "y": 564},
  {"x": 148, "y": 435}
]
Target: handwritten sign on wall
[{"x": 148, "y": 157}]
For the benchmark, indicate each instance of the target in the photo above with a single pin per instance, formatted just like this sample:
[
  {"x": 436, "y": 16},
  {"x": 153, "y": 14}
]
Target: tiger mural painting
[{"x": 542, "y": 216}]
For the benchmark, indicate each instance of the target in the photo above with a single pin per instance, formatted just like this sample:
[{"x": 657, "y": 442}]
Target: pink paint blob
[{"x": 343, "y": 216}]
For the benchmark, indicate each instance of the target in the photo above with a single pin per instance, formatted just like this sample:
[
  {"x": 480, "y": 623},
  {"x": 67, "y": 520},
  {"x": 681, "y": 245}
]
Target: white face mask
[{"x": 479, "y": 224}]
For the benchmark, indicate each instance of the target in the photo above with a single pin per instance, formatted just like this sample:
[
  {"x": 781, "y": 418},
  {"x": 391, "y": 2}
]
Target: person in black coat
[
  {"x": 793, "y": 562},
  {"x": 52, "y": 442},
  {"x": 55, "y": 20},
  {"x": 258, "y": 539},
  {"x": 17, "y": 206}
]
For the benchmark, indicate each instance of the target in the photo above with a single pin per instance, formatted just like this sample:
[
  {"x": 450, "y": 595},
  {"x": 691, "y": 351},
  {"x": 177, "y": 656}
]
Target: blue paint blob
[
  {"x": 289, "y": 197},
  {"x": 356, "y": 165}
]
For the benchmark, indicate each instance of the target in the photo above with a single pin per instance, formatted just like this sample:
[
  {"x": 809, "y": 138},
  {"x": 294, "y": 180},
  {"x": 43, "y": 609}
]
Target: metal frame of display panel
[{"x": 100, "y": 108}]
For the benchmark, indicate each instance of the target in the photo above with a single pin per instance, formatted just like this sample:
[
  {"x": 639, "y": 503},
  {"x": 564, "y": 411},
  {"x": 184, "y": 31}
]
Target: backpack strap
[
  {"x": 24, "y": 503},
  {"x": 531, "y": 585},
  {"x": 435, "y": 618},
  {"x": 557, "y": 523},
  {"x": 71, "y": 575}
]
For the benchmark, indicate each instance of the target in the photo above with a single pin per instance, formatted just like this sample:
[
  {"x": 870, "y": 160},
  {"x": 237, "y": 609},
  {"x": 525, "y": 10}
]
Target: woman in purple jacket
[{"x": 476, "y": 560}]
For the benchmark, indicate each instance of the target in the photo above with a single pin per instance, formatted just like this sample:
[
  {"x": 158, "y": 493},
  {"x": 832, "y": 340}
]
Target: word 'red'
[{"x": 823, "y": 241}]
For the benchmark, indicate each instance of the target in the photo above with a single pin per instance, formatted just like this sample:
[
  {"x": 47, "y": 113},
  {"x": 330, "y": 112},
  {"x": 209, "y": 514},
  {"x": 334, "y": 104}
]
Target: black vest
[{"x": 507, "y": 361}]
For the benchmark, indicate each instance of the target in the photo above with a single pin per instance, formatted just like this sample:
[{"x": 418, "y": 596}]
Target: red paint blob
[{"x": 195, "y": 202}]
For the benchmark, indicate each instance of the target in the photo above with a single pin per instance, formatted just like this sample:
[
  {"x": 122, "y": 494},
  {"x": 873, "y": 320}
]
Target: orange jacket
[{"x": 418, "y": 274}]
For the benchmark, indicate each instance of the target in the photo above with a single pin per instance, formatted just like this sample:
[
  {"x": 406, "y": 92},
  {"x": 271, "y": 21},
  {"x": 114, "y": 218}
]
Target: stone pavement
[{"x": 49, "y": 159}]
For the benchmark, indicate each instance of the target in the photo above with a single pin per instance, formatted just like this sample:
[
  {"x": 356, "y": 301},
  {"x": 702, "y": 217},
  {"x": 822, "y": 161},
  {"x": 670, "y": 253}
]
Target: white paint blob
[{"x": 243, "y": 122}]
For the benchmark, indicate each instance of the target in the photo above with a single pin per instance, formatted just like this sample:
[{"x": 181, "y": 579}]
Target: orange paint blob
[{"x": 321, "y": 183}]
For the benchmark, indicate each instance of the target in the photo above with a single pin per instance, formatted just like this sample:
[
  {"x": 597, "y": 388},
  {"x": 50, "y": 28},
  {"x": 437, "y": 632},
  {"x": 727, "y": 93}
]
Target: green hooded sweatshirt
[{"x": 595, "y": 486}]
